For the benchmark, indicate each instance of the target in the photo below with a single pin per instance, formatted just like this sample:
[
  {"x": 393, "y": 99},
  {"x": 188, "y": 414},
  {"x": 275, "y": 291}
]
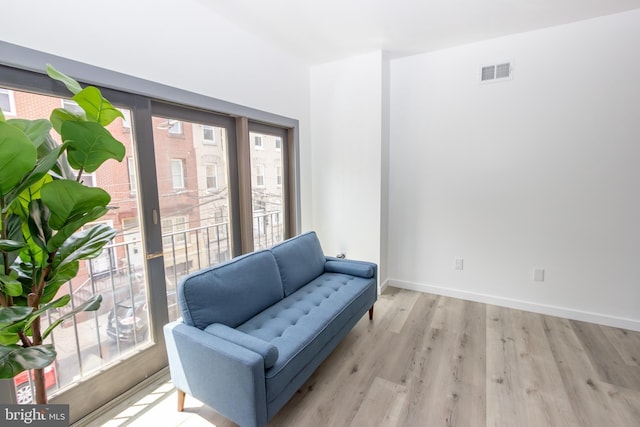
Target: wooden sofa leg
[
  {"x": 371, "y": 313},
  {"x": 181, "y": 397}
]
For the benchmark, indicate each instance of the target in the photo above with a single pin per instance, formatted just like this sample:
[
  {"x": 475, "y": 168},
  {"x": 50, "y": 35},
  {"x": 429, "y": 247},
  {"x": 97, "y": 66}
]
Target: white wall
[
  {"x": 538, "y": 172},
  {"x": 180, "y": 44},
  {"x": 346, "y": 140}
]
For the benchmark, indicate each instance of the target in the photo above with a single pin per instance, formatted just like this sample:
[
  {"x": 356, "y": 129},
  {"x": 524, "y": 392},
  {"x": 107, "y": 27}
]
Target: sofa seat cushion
[{"x": 304, "y": 322}]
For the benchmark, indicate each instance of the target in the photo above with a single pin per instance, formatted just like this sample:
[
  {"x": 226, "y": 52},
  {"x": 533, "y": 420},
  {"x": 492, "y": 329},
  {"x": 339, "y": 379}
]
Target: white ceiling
[{"x": 323, "y": 30}]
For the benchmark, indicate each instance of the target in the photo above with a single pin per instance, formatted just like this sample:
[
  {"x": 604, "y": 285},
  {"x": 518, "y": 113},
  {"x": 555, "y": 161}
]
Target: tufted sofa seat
[{"x": 255, "y": 328}]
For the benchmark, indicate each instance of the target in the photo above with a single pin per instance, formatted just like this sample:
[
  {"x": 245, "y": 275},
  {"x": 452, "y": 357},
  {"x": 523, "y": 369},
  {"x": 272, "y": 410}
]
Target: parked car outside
[
  {"x": 25, "y": 386},
  {"x": 127, "y": 322}
]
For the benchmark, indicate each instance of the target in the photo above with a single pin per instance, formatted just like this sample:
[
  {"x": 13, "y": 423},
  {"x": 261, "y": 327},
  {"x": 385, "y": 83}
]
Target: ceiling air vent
[{"x": 496, "y": 72}]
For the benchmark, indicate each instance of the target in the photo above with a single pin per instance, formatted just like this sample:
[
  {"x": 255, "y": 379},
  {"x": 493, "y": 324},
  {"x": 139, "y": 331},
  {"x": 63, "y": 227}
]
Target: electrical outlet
[
  {"x": 459, "y": 265},
  {"x": 538, "y": 275}
]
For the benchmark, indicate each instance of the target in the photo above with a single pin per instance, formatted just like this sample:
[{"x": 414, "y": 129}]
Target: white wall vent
[{"x": 497, "y": 72}]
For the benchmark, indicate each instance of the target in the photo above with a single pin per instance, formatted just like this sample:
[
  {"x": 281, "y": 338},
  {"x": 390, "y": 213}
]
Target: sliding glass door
[
  {"x": 268, "y": 149},
  {"x": 88, "y": 342},
  {"x": 192, "y": 163}
]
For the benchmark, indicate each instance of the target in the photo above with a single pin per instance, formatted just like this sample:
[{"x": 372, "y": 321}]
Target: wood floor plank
[
  {"x": 404, "y": 302},
  {"x": 626, "y": 343},
  {"x": 609, "y": 365},
  {"x": 625, "y": 403},
  {"x": 505, "y": 405},
  {"x": 400, "y": 351},
  {"x": 447, "y": 384},
  {"x": 591, "y": 403},
  {"x": 382, "y": 404},
  {"x": 542, "y": 392}
]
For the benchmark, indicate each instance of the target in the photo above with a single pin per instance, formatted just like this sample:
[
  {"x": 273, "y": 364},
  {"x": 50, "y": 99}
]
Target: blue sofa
[{"x": 255, "y": 328}]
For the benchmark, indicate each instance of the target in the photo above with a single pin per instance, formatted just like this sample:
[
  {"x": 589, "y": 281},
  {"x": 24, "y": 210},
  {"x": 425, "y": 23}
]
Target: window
[
  {"x": 72, "y": 106},
  {"x": 278, "y": 175},
  {"x": 7, "y": 103},
  {"x": 175, "y": 127},
  {"x": 278, "y": 144},
  {"x": 174, "y": 230},
  {"x": 133, "y": 185},
  {"x": 89, "y": 179},
  {"x": 208, "y": 135},
  {"x": 211, "y": 173},
  {"x": 177, "y": 174},
  {"x": 126, "y": 120},
  {"x": 258, "y": 142},
  {"x": 259, "y": 175}
]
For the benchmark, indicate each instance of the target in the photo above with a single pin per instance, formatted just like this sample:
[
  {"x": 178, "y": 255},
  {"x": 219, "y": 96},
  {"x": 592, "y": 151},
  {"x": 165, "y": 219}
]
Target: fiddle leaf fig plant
[{"x": 45, "y": 209}]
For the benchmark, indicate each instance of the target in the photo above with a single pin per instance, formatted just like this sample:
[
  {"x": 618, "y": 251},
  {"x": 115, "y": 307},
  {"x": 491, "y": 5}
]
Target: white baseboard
[{"x": 551, "y": 310}]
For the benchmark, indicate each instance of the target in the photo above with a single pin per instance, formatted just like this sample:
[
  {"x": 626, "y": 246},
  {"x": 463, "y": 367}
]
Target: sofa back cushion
[
  {"x": 300, "y": 260},
  {"x": 230, "y": 293}
]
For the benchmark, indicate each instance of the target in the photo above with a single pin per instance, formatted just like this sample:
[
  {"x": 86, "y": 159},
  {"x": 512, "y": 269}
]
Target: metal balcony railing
[{"x": 90, "y": 341}]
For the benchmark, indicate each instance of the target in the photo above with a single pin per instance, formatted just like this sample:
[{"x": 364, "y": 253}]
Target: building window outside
[
  {"x": 71, "y": 105},
  {"x": 278, "y": 175},
  {"x": 175, "y": 127},
  {"x": 258, "y": 142},
  {"x": 133, "y": 185},
  {"x": 211, "y": 172},
  {"x": 173, "y": 230},
  {"x": 126, "y": 120},
  {"x": 278, "y": 144},
  {"x": 7, "y": 102},
  {"x": 177, "y": 174},
  {"x": 259, "y": 175},
  {"x": 89, "y": 179},
  {"x": 208, "y": 135}
]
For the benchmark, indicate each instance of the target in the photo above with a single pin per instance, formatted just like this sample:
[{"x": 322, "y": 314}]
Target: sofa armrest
[
  {"x": 268, "y": 351},
  {"x": 221, "y": 374},
  {"x": 363, "y": 269}
]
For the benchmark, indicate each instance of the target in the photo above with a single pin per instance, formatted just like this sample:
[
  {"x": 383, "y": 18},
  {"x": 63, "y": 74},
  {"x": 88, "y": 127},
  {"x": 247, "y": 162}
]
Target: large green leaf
[
  {"x": 92, "y": 304},
  {"x": 39, "y": 230},
  {"x": 36, "y": 130},
  {"x": 57, "y": 279},
  {"x": 98, "y": 109},
  {"x": 11, "y": 245},
  {"x": 73, "y": 86},
  {"x": 15, "y": 359},
  {"x": 70, "y": 200},
  {"x": 35, "y": 179},
  {"x": 8, "y": 338},
  {"x": 14, "y": 234},
  {"x": 86, "y": 244},
  {"x": 60, "y": 302},
  {"x": 14, "y": 314},
  {"x": 10, "y": 285},
  {"x": 89, "y": 145},
  {"x": 18, "y": 157},
  {"x": 20, "y": 207},
  {"x": 61, "y": 169},
  {"x": 60, "y": 115},
  {"x": 74, "y": 225}
]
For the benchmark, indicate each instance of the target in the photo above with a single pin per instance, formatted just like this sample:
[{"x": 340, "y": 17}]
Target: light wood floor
[{"x": 427, "y": 360}]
